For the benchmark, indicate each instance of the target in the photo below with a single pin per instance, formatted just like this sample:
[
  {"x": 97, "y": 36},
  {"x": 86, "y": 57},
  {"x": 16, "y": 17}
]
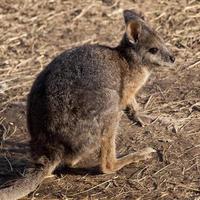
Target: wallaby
[{"x": 76, "y": 102}]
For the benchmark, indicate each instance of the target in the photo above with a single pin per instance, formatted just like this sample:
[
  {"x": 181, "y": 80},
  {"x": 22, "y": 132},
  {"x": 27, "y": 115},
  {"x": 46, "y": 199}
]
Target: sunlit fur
[{"x": 145, "y": 38}]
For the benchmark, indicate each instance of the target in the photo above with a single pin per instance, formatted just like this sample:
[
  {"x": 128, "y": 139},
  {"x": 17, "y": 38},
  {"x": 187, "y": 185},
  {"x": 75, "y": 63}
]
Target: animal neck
[{"x": 129, "y": 52}]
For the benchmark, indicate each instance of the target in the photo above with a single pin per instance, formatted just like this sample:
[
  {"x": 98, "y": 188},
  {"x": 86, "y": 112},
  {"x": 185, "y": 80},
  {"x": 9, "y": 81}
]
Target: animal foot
[{"x": 146, "y": 153}]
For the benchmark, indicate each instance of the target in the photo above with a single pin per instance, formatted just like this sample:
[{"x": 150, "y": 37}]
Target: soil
[{"x": 33, "y": 32}]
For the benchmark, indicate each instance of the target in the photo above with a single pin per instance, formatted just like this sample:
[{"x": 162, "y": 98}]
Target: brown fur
[
  {"x": 133, "y": 81},
  {"x": 75, "y": 103}
]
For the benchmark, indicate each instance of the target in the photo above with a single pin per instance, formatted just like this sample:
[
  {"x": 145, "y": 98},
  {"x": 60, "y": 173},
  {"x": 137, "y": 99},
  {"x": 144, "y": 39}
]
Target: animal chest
[{"x": 133, "y": 82}]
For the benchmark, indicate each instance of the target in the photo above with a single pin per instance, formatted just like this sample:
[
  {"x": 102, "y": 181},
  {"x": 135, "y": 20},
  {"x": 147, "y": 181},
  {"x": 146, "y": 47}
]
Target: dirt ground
[{"x": 33, "y": 32}]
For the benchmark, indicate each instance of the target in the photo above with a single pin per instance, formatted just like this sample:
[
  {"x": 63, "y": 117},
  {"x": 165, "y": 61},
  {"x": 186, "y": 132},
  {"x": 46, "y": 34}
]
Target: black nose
[{"x": 172, "y": 58}]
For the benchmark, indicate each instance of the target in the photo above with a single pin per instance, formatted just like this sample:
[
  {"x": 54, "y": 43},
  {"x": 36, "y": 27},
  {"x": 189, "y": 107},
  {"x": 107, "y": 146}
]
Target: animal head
[{"x": 145, "y": 41}]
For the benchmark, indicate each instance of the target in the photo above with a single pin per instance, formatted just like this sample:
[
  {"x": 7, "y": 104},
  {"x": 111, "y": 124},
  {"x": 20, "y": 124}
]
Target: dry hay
[{"x": 32, "y": 32}]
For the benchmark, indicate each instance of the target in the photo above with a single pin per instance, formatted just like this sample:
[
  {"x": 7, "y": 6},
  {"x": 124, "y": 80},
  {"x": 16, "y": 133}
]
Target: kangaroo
[{"x": 76, "y": 102}]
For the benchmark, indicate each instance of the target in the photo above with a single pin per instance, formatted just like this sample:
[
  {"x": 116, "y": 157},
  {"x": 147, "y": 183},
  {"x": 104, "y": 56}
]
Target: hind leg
[
  {"x": 109, "y": 162},
  {"x": 73, "y": 161}
]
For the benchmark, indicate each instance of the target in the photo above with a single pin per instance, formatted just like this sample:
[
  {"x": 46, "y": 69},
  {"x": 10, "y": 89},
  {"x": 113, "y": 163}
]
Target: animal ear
[
  {"x": 132, "y": 14},
  {"x": 133, "y": 31}
]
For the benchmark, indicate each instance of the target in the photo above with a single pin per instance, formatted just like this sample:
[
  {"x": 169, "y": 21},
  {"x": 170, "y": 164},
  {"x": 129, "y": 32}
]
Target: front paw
[
  {"x": 146, "y": 153},
  {"x": 142, "y": 119},
  {"x": 139, "y": 118}
]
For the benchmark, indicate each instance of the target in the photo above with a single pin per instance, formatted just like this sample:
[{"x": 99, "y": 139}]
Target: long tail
[{"x": 23, "y": 187}]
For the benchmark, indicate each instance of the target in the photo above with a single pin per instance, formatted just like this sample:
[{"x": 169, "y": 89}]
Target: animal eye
[{"x": 153, "y": 50}]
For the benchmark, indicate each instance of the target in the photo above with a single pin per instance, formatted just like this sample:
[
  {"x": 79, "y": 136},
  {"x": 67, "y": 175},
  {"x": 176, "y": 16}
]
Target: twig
[
  {"x": 83, "y": 12},
  {"x": 198, "y": 145},
  {"x": 163, "y": 168},
  {"x": 148, "y": 102},
  {"x": 184, "y": 186},
  {"x": 11, "y": 168},
  {"x": 96, "y": 186},
  {"x": 194, "y": 64}
]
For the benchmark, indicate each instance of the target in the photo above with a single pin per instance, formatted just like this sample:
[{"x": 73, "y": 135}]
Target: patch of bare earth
[{"x": 33, "y": 32}]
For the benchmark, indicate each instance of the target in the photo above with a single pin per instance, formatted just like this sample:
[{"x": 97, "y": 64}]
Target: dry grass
[{"x": 32, "y": 32}]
